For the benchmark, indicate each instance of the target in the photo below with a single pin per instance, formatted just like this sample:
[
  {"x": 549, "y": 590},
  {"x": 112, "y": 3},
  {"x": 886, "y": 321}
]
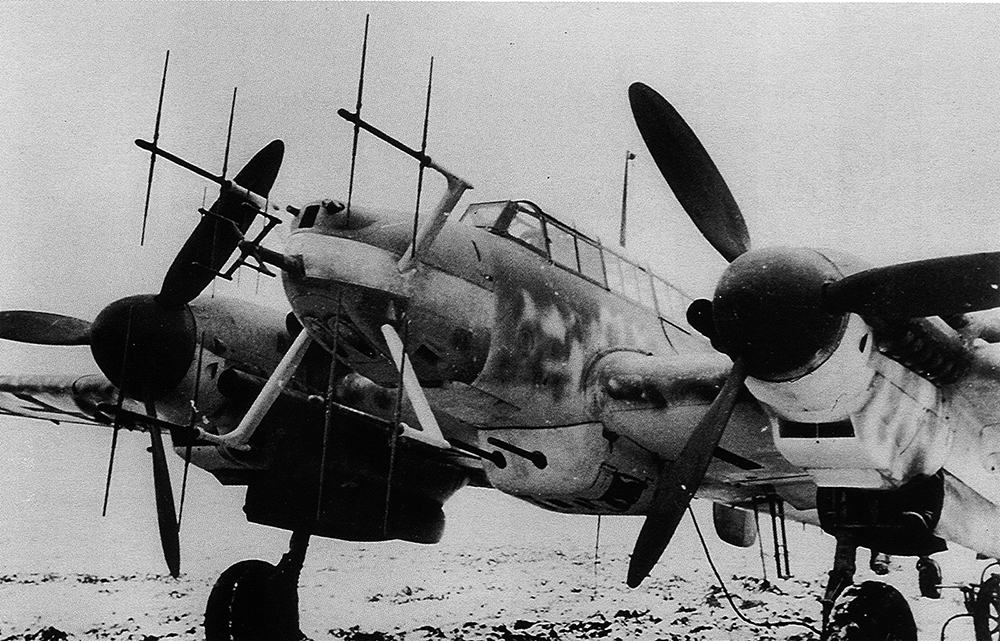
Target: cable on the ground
[{"x": 729, "y": 596}]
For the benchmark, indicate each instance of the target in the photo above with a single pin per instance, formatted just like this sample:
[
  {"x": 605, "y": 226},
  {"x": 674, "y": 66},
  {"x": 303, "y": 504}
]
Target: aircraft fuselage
[{"x": 510, "y": 334}]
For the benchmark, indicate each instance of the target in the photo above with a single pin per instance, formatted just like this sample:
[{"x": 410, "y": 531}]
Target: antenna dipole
[
  {"x": 423, "y": 153},
  {"x": 405, "y": 319},
  {"x": 225, "y": 167},
  {"x": 331, "y": 377},
  {"x": 629, "y": 156},
  {"x": 118, "y": 412},
  {"x": 152, "y": 157},
  {"x": 357, "y": 127},
  {"x": 229, "y": 135},
  {"x": 188, "y": 450},
  {"x": 328, "y": 418}
]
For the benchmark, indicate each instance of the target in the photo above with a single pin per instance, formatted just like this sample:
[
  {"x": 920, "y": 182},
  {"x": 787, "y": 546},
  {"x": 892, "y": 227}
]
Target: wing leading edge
[{"x": 60, "y": 398}]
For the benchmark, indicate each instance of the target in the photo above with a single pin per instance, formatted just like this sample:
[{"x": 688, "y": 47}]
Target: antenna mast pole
[{"x": 629, "y": 156}]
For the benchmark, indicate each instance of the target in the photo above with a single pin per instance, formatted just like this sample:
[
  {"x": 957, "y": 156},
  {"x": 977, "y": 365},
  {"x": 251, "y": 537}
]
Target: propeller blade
[
  {"x": 934, "y": 287},
  {"x": 690, "y": 172},
  {"x": 678, "y": 485},
  {"x": 43, "y": 328},
  {"x": 165, "y": 513},
  {"x": 217, "y": 235}
]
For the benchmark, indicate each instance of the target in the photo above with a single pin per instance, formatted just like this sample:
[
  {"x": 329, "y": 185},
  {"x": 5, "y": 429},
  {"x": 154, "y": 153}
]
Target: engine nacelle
[{"x": 860, "y": 419}]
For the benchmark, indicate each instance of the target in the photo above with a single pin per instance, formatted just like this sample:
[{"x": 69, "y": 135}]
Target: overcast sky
[{"x": 871, "y": 129}]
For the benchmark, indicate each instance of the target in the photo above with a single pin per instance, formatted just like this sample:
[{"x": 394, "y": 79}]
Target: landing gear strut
[{"x": 257, "y": 601}]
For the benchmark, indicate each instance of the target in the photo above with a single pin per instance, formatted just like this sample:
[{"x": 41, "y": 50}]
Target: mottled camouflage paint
[{"x": 493, "y": 315}]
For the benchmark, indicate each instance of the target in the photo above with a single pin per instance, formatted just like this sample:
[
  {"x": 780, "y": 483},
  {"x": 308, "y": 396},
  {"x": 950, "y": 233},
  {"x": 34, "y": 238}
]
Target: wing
[{"x": 60, "y": 398}]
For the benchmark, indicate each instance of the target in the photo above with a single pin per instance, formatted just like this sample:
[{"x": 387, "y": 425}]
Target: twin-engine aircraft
[{"x": 504, "y": 348}]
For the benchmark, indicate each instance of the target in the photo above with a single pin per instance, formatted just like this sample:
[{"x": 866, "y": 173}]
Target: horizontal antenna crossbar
[
  {"x": 225, "y": 183},
  {"x": 177, "y": 160},
  {"x": 378, "y": 133},
  {"x": 134, "y": 420},
  {"x": 423, "y": 158}
]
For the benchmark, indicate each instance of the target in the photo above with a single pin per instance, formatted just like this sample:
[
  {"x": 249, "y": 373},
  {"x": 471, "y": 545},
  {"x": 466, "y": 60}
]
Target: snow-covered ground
[{"x": 504, "y": 570}]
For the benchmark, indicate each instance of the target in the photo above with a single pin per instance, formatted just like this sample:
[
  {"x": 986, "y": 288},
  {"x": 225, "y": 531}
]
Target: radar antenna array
[
  {"x": 253, "y": 204},
  {"x": 241, "y": 206},
  {"x": 423, "y": 236}
]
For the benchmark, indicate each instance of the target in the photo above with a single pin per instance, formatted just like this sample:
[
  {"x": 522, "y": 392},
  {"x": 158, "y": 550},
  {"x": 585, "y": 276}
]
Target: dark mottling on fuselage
[
  {"x": 551, "y": 321},
  {"x": 488, "y": 311}
]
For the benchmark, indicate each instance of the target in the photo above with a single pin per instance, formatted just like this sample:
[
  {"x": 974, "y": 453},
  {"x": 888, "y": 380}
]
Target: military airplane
[{"x": 508, "y": 349}]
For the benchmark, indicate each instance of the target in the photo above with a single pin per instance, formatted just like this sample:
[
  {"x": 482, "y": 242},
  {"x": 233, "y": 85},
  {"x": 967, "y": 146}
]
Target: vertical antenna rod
[
  {"x": 621, "y": 237},
  {"x": 118, "y": 412},
  {"x": 152, "y": 157},
  {"x": 111, "y": 464},
  {"x": 191, "y": 423},
  {"x": 357, "y": 127},
  {"x": 225, "y": 167},
  {"x": 423, "y": 152},
  {"x": 331, "y": 390},
  {"x": 229, "y": 135},
  {"x": 397, "y": 410}
]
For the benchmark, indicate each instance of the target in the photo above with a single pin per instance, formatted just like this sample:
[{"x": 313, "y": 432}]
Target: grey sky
[{"x": 868, "y": 128}]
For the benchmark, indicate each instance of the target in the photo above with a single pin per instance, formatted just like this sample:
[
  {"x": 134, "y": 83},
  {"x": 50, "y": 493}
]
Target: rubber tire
[
  {"x": 238, "y": 607},
  {"x": 872, "y": 611},
  {"x": 986, "y": 611}
]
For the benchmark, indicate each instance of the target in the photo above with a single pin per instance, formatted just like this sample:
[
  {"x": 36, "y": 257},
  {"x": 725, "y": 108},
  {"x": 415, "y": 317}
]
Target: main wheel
[
  {"x": 986, "y": 611},
  {"x": 249, "y": 602},
  {"x": 872, "y": 611}
]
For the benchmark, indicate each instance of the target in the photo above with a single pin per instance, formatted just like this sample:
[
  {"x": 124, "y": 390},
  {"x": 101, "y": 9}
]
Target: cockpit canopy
[
  {"x": 525, "y": 223},
  {"x": 519, "y": 219}
]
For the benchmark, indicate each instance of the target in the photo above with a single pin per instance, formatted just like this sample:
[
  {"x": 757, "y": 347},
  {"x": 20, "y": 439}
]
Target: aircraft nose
[
  {"x": 341, "y": 278},
  {"x": 335, "y": 260}
]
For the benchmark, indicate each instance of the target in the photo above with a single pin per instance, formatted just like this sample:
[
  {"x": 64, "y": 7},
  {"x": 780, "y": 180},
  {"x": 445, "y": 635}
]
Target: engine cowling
[
  {"x": 839, "y": 407},
  {"x": 860, "y": 419}
]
